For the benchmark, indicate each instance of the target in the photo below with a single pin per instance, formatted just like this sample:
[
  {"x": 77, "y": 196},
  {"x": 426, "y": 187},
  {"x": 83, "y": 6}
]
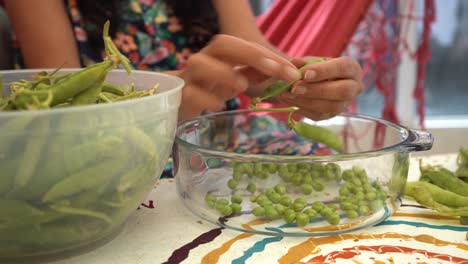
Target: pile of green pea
[{"x": 293, "y": 198}]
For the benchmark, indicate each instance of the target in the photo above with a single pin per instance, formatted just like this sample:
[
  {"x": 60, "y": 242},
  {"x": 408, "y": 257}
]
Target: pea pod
[
  {"x": 423, "y": 197},
  {"x": 88, "y": 96},
  {"x": 83, "y": 212},
  {"x": 31, "y": 156},
  {"x": 280, "y": 87},
  {"x": 113, "y": 89},
  {"x": 312, "y": 132},
  {"x": 8, "y": 169},
  {"x": 84, "y": 180},
  {"x": 142, "y": 142},
  {"x": 438, "y": 194},
  {"x": 14, "y": 210},
  {"x": 319, "y": 134},
  {"x": 444, "y": 179}
]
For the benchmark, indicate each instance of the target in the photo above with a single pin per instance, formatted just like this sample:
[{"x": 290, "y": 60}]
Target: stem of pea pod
[{"x": 290, "y": 110}]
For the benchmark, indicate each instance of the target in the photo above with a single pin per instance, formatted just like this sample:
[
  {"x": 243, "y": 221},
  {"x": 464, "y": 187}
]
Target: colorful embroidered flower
[
  {"x": 125, "y": 42},
  {"x": 174, "y": 25}
]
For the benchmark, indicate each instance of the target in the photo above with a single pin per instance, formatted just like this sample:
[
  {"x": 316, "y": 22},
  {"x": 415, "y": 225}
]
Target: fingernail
[
  {"x": 310, "y": 75},
  {"x": 269, "y": 64},
  {"x": 298, "y": 90},
  {"x": 293, "y": 73}
]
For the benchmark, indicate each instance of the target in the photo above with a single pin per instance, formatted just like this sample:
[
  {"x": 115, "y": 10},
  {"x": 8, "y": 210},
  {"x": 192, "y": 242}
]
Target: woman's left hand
[{"x": 326, "y": 89}]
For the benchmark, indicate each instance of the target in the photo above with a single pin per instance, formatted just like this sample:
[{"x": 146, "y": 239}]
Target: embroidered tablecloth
[{"x": 162, "y": 230}]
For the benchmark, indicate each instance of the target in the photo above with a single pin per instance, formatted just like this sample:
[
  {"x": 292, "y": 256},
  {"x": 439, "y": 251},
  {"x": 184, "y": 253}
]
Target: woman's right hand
[{"x": 225, "y": 68}]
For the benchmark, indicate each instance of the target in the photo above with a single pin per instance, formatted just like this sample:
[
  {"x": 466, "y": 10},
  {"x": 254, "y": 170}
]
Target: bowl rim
[
  {"x": 402, "y": 145},
  {"x": 180, "y": 83}
]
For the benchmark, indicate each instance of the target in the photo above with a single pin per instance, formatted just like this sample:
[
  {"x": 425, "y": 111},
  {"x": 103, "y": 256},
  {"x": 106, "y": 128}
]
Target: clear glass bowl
[
  {"x": 70, "y": 177},
  {"x": 217, "y": 156}
]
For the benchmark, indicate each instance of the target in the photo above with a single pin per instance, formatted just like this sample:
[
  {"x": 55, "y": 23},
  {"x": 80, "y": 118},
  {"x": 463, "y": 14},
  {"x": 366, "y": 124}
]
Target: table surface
[{"x": 164, "y": 231}]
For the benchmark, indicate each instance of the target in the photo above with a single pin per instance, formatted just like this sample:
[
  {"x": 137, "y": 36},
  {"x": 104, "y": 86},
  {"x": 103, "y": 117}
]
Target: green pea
[
  {"x": 236, "y": 198},
  {"x": 251, "y": 187},
  {"x": 363, "y": 202},
  {"x": 282, "y": 169},
  {"x": 304, "y": 166},
  {"x": 317, "y": 206},
  {"x": 302, "y": 219},
  {"x": 344, "y": 191},
  {"x": 356, "y": 181},
  {"x": 368, "y": 188},
  {"x": 280, "y": 209},
  {"x": 297, "y": 179},
  {"x": 285, "y": 200},
  {"x": 232, "y": 184},
  {"x": 364, "y": 210},
  {"x": 332, "y": 207},
  {"x": 271, "y": 213},
  {"x": 292, "y": 167},
  {"x": 272, "y": 168},
  {"x": 306, "y": 188},
  {"x": 253, "y": 198},
  {"x": 275, "y": 197},
  {"x": 262, "y": 175},
  {"x": 211, "y": 204},
  {"x": 318, "y": 185},
  {"x": 210, "y": 197},
  {"x": 346, "y": 205},
  {"x": 362, "y": 175},
  {"x": 258, "y": 167},
  {"x": 356, "y": 170},
  {"x": 300, "y": 200},
  {"x": 347, "y": 175},
  {"x": 317, "y": 167},
  {"x": 226, "y": 210},
  {"x": 328, "y": 175},
  {"x": 220, "y": 206},
  {"x": 310, "y": 212},
  {"x": 264, "y": 202},
  {"x": 288, "y": 177},
  {"x": 370, "y": 196},
  {"x": 258, "y": 211},
  {"x": 359, "y": 195},
  {"x": 269, "y": 192},
  {"x": 376, "y": 205},
  {"x": 237, "y": 175},
  {"x": 222, "y": 201},
  {"x": 298, "y": 207},
  {"x": 236, "y": 208},
  {"x": 289, "y": 216},
  {"x": 315, "y": 175},
  {"x": 326, "y": 211},
  {"x": 261, "y": 197},
  {"x": 333, "y": 219},
  {"x": 307, "y": 178},
  {"x": 281, "y": 189},
  {"x": 351, "y": 214}
]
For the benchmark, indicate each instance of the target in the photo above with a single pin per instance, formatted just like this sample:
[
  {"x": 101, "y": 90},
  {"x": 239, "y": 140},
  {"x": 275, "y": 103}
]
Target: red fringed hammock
[{"x": 370, "y": 31}]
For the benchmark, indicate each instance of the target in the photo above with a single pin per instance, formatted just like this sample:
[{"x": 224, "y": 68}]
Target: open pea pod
[{"x": 280, "y": 86}]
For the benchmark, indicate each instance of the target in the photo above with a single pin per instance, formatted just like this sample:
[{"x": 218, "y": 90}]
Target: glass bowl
[
  {"x": 246, "y": 171},
  {"x": 70, "y": 177}
]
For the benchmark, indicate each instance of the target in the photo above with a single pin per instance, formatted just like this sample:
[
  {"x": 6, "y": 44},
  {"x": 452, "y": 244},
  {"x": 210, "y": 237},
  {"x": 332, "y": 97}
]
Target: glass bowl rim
[{"x": 403, "y": 144}]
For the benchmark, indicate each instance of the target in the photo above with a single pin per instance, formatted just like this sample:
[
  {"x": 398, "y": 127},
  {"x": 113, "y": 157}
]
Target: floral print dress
[{"x": 150, "y": 35}]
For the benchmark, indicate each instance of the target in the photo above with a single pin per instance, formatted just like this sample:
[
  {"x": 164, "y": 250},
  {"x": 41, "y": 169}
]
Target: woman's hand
[
  {"x": 226, "y": 67},
  {"x": 326, "y": 88}
]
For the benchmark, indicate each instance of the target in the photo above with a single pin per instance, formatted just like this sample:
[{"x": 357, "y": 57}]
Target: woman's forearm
[{"x": 44, "y": 33}]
